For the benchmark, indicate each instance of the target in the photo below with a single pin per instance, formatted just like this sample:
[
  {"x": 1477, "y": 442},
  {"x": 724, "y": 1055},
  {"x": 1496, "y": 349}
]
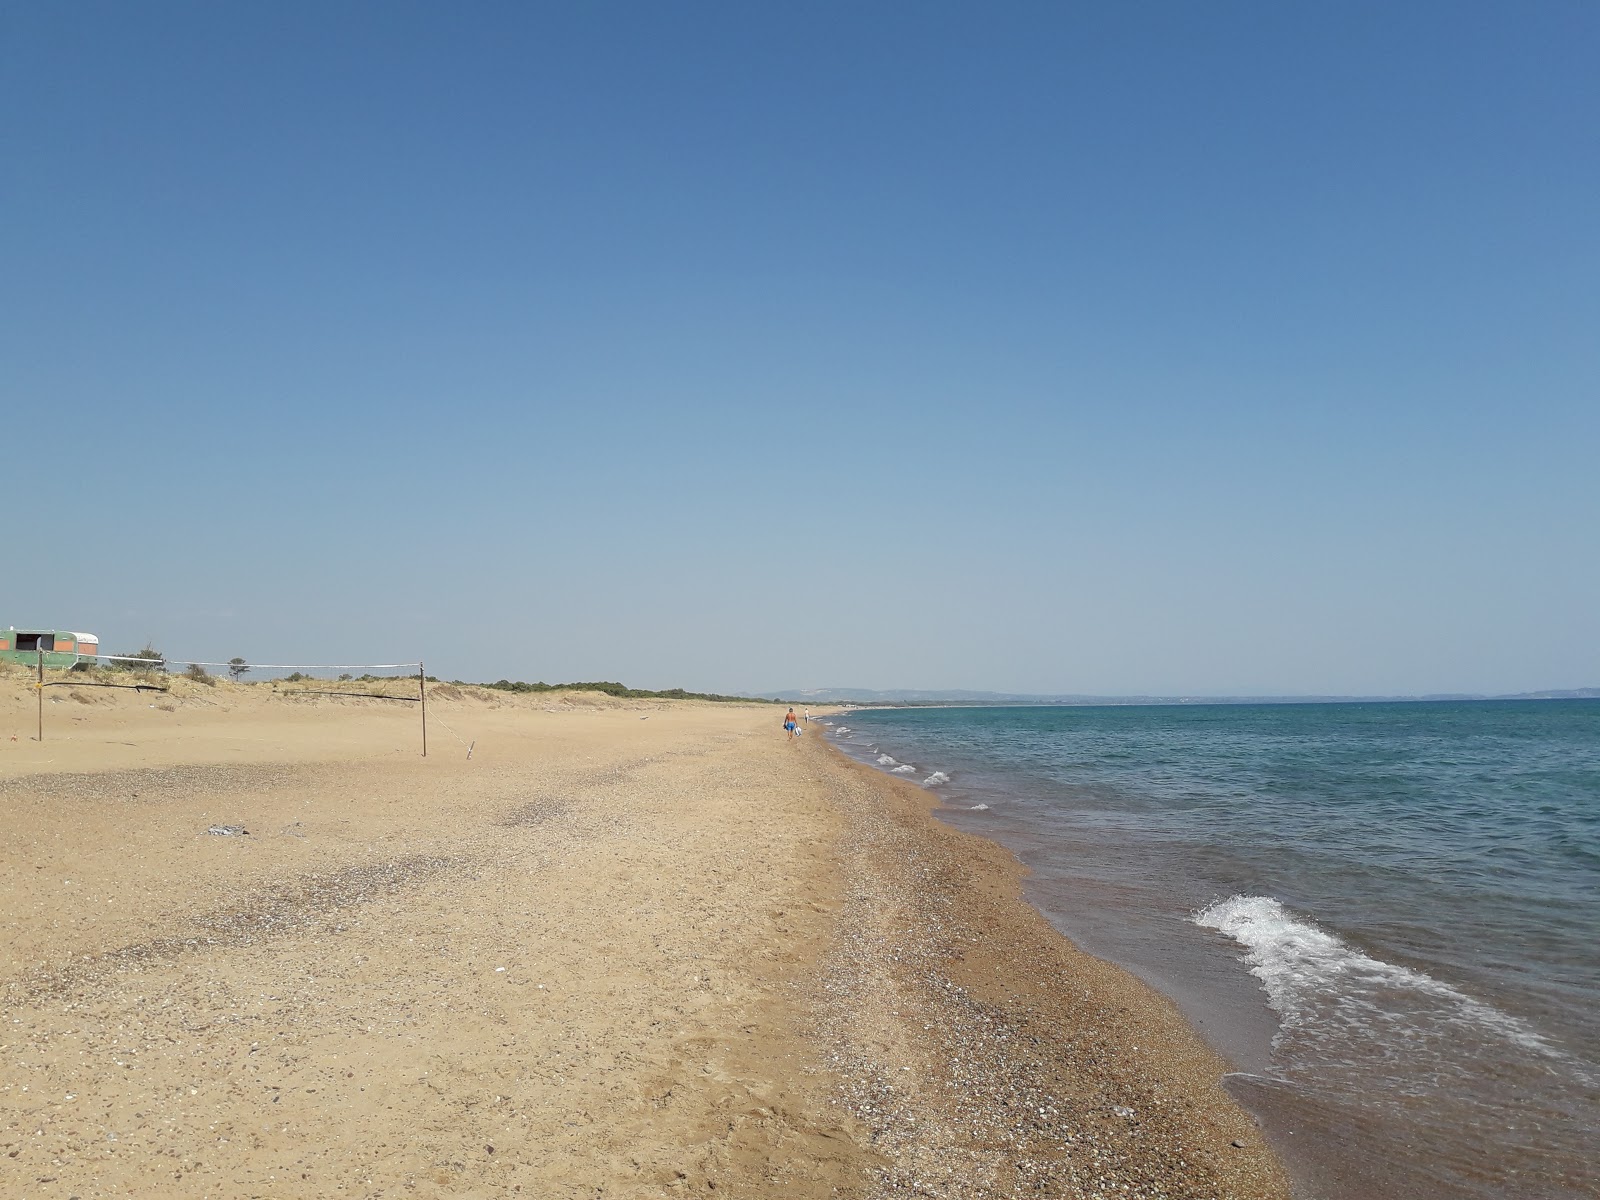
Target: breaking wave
[{"x": 1330, "y": 992}]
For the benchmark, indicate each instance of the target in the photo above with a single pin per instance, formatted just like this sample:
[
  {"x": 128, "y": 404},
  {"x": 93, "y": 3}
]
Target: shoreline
[
  {"x": 648, "y": 946},
  {"x": 1236, "y": 1036},
  {"x": 1035, "y": 1065},
  {"x": 1372, "y": 1055}
]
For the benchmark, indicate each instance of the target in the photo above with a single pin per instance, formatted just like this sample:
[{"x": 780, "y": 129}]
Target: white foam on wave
[
  {"x": 979, "y": 808},
  {"x": 904, "y": 769},
  {"x": 885, "y": 761},
  {"x": 1315, "y": 980},
  {"x": 936, "y": 779}
]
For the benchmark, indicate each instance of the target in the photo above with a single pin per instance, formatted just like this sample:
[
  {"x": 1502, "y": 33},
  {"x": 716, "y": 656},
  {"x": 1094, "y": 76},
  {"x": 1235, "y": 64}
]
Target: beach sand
[{"x": 628, "y": 948}]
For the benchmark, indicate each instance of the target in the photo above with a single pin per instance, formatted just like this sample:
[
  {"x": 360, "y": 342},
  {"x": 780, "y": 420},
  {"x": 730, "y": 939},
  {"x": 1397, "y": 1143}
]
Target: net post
[
  {"x": 422, "y": 691},
  {"x": 39, "y": 687}
]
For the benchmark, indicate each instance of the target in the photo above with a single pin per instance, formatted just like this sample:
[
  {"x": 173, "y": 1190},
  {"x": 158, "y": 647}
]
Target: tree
[
  {"x": 237, "y": 668},
  {"x": 148, "y": 659}
]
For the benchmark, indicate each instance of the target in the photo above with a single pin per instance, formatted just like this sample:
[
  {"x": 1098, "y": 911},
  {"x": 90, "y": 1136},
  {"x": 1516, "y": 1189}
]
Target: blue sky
[{"x": 1118, "y": 348}]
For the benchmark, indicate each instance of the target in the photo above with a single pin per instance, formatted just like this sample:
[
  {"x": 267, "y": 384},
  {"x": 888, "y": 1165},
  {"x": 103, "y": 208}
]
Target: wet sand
[{"x": 627, "y": 949}]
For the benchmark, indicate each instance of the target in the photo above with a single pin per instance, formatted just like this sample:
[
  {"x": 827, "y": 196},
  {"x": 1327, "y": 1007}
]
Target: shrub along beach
[{"x": 257, "y": 945}]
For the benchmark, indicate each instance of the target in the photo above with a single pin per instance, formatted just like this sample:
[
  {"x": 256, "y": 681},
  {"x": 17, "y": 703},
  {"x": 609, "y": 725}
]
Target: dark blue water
[{"x": 1386, "y": 915}]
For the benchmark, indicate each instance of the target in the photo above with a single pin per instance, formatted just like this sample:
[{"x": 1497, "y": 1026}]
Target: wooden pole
[
  {"x": 40, "y": 687},
  {"x": 422, "y": 690}
]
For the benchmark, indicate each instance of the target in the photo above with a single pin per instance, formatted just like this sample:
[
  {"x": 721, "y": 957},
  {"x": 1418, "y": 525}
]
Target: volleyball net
[
  {"x": 402, "y": 684},
  {"x": 238, "y": 670}
]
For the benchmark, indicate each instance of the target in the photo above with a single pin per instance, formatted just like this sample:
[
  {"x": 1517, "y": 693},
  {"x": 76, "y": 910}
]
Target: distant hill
[
  {"x": 866, "y": 696},
  {"x": 1569, "y": 694}
]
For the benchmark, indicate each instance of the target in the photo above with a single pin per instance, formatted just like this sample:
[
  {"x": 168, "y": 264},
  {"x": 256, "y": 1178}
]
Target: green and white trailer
[{"x": 61, "y": 647}]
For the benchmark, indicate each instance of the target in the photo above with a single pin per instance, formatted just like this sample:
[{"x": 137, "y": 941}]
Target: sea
[{"x": 1384, "y": 916}]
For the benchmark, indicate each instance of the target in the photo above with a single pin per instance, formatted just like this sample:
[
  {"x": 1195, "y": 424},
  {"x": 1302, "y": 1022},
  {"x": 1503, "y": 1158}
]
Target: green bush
[
  {"x": 622, "y": 691},
  {"x": 149, "y": 659}
]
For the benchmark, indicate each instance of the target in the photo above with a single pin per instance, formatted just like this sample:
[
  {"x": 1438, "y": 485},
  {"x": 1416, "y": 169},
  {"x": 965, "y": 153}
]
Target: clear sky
[{"x": 1055, "y": 347}]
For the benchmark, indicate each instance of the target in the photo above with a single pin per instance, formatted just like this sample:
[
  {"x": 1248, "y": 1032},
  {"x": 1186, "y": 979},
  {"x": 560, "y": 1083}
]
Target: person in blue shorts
[{"x": 791, "y": 723}]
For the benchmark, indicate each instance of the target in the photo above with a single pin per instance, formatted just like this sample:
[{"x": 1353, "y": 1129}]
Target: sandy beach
[{"x": 626, "y": 949}]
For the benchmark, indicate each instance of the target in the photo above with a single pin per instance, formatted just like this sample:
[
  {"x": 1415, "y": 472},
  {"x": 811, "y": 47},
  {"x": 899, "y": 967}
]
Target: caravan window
[{"x": 36, "y": 641}]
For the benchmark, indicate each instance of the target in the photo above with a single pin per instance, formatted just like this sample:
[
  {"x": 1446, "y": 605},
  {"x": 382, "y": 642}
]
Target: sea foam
[
  {"x": 885, "y": 761},
  {"x": 936, "y": 779},
  {"x": 1318, "y": 984}
]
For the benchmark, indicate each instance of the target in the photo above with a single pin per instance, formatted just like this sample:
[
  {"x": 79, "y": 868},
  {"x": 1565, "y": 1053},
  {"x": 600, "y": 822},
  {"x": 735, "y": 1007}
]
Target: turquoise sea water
[{"x": 1385, "y": 915}]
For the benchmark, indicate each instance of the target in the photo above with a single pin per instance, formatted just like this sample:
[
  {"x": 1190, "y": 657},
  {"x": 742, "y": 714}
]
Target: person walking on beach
[{"x": 790, "y": 723}]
